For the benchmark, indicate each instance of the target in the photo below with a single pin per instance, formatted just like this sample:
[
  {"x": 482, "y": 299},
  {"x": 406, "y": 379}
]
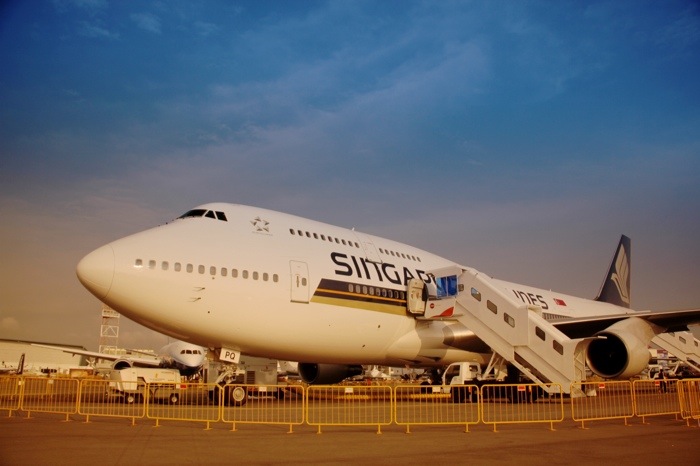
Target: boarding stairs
[
  {"x": 683, "y": 345},
  {"x": 514, "y": 330}
]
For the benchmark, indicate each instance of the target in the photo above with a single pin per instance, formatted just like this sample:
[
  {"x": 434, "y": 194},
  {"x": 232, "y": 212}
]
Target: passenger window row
[
  {"x": 211, "y": 270},
  {"x": 330, "y": 239},
  {"x": 354, "y": 244},
  {"x": 399, "y": 254},
  {"x": 376, "y": 291}
]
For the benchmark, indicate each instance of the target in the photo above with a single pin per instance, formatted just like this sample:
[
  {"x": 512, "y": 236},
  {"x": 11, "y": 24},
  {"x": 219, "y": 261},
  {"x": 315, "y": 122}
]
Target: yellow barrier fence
[
  {"x": 10, "y": 393},
  {"x": 101, "y": 398},
  {"x": 197, "y": 402},
  {"x": 689, "y": 396},
  {"x": 261, "y": 404},
  {"x": 655, "y": 398},
  {"x": 328, "y": 405},
  {"x": 603, "y": 400},
  {"x": 521, "y": 404},
  {"x": 50, "y": 395},
  {"x": 436, "y": 405}
]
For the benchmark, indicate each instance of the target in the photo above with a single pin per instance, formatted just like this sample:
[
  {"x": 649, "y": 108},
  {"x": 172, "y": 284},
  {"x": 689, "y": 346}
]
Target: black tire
[{"x": 235, "y": 395}]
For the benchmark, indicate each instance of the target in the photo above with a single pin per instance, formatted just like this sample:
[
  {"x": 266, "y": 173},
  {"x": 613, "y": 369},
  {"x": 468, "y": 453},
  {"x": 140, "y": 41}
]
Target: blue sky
[{"x": 520, "y": 138}]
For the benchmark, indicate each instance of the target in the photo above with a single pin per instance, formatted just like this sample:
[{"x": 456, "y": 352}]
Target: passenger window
[
  {"x": 164, "y": 265},
  {"x": 266, "y": 277},
  {"x": 200, "y": 269},
  {"x": 476, "y": 294},
  {"x": 234, "y": 273},
  {"x": 245, "y": 274},
  {"x": 138, "y": 263},
  {"x": 151, "y": 264},
  {"x": 275, "y": 278},
  {"x": 224, "y": 272},
  {"x": 189, "y": 268},
  {"x": 212, "y": 270},
  {"x": 255, "y": 275},
  {"x": 177, "y": 267}
]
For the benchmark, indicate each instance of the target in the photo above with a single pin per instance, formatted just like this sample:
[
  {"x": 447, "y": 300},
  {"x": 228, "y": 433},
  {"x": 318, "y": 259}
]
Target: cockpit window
[
  {"x": 193, "y": 213},
  {"x": 215, "y": 214}
]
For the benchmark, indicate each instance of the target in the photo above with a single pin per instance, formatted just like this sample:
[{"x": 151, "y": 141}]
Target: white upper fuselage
[{"x": 284, "y": 287}]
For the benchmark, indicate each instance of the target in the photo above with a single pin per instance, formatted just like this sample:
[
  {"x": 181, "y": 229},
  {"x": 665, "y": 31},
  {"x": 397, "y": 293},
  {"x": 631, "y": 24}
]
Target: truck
[
  {"x": 458, "y": 374},
  {"x": 131, "y": 384},
  {"x": 462, "y": 380},
  {"x": 252, "y": 376}
]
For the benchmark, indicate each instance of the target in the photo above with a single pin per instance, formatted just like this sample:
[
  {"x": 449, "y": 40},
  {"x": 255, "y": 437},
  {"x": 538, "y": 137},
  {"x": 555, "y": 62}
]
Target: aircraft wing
[
  {"x": 104, "y": 356},
  {"x": 670, "y": 321}
]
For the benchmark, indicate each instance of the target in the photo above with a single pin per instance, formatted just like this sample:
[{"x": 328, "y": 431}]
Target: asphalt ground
[{"x": 47, "y": 439}]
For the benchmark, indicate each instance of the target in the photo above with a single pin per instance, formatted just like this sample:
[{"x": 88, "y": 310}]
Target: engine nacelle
[
  {"x": 624, "y": 350},
  {"x": 314, "y": 374},
  {"x": 122, "y": 364}
]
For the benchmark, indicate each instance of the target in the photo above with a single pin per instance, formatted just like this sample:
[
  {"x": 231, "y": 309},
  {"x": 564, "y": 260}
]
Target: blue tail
[{"x": 616, "y": 287}]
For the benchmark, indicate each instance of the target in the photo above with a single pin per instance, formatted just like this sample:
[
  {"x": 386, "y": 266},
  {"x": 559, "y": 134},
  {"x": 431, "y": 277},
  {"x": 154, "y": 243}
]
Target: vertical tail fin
[{"x": 616, "y": 287}]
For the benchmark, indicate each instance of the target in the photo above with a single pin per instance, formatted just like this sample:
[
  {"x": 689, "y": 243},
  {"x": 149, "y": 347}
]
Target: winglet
[{"x": 616, "y": 287}]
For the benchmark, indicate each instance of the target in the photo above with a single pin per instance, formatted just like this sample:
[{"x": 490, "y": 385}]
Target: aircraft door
[
  {"x": 368, "y": 247},
  {"x": 417, "y": 297},
  {"x": 299, "y": 282}
]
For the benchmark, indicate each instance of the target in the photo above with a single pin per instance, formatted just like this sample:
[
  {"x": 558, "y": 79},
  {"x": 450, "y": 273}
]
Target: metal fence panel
[
  {"x": 656, "y": 397},
  {"x": 263, "y": 404},
  {"x": 50, "y": 395},
  {"x": 603, "y": 400},
  {"x": 689, "y": 396},
  {"x": 521, "y": 403},
  {"x": 10, "y": 393},
  {"x": 328, "y": 405},
  {"x": 100, "y": 398},
  {"x": 183, "y": 402},
  {"x": 436, "y": 405}
]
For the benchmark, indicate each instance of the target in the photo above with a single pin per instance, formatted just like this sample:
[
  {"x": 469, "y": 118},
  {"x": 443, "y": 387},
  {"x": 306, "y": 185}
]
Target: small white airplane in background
[
  {"x": 180, "y": 355},
  {"x": 242, "y": 279}
]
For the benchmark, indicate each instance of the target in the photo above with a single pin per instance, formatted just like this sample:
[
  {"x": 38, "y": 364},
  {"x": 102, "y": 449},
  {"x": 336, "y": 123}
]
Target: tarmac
[{"x": 47, "y": 439}]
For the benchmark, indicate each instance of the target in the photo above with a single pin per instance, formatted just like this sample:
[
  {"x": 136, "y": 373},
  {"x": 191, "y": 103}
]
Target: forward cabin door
[{"x": 299, "y": 282}]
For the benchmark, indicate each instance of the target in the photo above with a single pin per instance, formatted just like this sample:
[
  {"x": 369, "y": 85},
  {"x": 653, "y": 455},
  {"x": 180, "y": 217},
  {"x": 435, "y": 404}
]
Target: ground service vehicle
[
  {"x": 250, "y": 377},
  {"x": 132, "y": 384}
]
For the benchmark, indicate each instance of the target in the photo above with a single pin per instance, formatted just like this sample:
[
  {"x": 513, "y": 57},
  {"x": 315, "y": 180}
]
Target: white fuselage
[{"x": 275, "y": 285}]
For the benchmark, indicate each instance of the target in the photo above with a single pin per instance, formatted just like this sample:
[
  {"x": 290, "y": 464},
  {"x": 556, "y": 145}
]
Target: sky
[{"x": 521, "y": 138}]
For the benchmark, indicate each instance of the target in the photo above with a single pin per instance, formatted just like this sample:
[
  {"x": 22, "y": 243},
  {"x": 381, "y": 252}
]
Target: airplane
[
  {"x": 242, "y": 279},
  {"x": 180, "y": 355},
  {"x": 19, "y": 370}
]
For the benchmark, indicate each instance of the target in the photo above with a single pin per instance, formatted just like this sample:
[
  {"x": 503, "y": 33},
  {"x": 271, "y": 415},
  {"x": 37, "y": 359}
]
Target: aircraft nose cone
[{"x": 96, "y": 270}]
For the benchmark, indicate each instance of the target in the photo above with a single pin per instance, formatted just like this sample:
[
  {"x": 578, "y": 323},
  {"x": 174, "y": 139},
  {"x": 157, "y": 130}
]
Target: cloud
[
  {"x": 92, "y": 30},
  {"x": 147, "y": 21}
]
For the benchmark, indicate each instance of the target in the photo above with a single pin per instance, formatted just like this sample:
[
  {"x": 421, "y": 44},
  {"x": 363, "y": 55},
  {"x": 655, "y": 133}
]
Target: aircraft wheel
[
  {"x": 235, "y": 395},
  {"x": 130, "y": 398},
  {"x": 173, "y": 398}
]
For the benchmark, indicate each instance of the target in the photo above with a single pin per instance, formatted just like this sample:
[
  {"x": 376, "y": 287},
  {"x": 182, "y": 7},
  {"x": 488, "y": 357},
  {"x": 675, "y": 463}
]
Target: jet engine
[
  {"x": 315, "y": 374},
  {"x": 122, "y": 364},
  {"x": 623, "y": 350}
]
